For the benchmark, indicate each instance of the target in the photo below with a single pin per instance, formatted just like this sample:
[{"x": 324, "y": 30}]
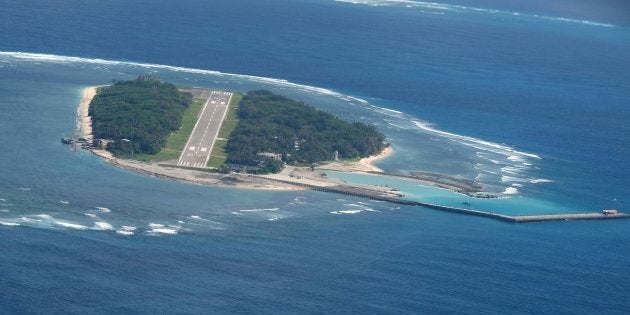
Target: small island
[
  {"x": 201, "y": 136},
  {"x": 259, "y": 140},
  {"x": 134, "y": 120}
]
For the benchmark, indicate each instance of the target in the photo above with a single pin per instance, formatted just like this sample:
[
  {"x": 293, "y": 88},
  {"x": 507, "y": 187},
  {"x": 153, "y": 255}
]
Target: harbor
[{"x": 394, "y": 196}]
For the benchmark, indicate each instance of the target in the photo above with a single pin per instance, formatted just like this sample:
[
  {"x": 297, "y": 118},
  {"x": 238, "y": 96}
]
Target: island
[
  {"x": 255, "y": 140},
  {"x": 258, "y": 140}
]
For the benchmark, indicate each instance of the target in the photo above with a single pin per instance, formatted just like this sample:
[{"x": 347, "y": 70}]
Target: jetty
[{"x": 393, "y": 196}]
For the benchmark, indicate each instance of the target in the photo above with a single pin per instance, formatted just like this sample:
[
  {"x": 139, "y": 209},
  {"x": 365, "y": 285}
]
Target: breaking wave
[
  {"x": 98, "y": 61},
  {"x": 259, "y": 210},
  {"x": 103, "y": 209},
  {"x": 156, "y": 229},
  {"x": 493, "y": 160},
  {"x": 347, "y": 211},
  {"x": 444, "y": 8},
  {"x": 9, "y": 223}
]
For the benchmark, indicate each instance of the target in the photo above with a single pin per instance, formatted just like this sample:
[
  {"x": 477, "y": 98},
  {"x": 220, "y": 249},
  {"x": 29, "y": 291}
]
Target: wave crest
[{"x": 442, "y": 8}]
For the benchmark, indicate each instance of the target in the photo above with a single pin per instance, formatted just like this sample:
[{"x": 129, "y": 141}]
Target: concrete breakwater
[
  {"x": 371, "y": 192},
  {"x": 394, "y": 197},
  {"x": 572, "y": 216}
]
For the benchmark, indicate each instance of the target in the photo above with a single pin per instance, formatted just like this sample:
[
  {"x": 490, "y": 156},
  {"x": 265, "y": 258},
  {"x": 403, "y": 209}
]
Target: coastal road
[{"x": 206, "y": 130}]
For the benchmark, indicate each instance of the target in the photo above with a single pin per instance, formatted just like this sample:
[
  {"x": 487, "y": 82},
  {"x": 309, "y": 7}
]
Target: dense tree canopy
[
  {"x": 301, "y": 133},
  {"x": 138, "y": 115}
]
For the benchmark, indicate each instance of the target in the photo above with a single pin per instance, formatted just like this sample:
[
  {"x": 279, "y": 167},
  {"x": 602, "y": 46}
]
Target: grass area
[
  {"x": 219, "y": 148},
  {"x": 218, "y": 156},
  {"x": 176, "y": 142},
  {"x": 216, "y": 161},
  {"x": 226, "y": 128},
  {"x": 236, "y": 99}
]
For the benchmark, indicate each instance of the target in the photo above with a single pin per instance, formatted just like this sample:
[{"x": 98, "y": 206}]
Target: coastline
[
  {"x": 371, "y": 160},
  {"x": 84, "y": 130},
  {"x": 290, "y": 179},
  {"x": 84, "y": 121},
  {"x": 364, "y": 165}
]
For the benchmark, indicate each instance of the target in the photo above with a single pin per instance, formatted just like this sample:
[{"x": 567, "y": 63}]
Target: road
[{"x": 206, "y": 130}]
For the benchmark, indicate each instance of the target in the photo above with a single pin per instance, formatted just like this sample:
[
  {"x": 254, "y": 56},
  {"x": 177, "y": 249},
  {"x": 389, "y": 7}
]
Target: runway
[{"x": 199, "y": 146}]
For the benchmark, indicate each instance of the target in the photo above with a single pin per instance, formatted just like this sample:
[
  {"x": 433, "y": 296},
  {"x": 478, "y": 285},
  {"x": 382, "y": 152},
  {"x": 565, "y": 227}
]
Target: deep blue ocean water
[{"x": 529, "y": 97}]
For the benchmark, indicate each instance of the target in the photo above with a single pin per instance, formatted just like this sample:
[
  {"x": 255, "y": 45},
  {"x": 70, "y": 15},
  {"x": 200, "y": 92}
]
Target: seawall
[{"x": 390, "y": 197}]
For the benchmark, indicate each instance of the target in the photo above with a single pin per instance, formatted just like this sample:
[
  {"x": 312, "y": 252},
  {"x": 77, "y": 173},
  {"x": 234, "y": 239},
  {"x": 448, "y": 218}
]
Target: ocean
[{"x": 530, "y": 99}]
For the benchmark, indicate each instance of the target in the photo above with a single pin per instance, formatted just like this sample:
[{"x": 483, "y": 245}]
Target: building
[{"x": 270, "y": 156}]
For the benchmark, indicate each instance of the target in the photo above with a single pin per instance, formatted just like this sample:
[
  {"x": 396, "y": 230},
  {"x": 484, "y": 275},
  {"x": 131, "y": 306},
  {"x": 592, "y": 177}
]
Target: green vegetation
[
  {"x": 176, "y": 141},
  {"x": 138, "y": 115},
  {"x": 216, "y": 161},
  {"x": 218, "y": 155},
  {"x": 300, "y": 133}
]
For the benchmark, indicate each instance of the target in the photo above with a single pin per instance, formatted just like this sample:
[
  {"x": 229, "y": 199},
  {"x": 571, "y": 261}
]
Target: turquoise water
[
  {"x": 515, "y": 205},
  {"x": 534, "y": 102}
]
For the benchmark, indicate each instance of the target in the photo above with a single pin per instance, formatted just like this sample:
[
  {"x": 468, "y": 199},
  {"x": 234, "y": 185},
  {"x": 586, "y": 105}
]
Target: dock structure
[
  {"x": 395, "y": 197},
  {"x": 572, "y": 216}
]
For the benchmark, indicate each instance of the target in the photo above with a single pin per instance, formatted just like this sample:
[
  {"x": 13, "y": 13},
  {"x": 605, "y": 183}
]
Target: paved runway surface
[{"x": 199, "y": 145}]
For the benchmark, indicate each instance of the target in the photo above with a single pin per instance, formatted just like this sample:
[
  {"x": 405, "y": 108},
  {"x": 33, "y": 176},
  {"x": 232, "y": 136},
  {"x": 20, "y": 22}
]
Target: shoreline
[
  {"x": 84, "y": 130},
  {"x": 290, "y": 179},
  {"x": 364, "y": 165},
  {"x": 371, "y": 160},
  {"x": 84, "y": 121}
]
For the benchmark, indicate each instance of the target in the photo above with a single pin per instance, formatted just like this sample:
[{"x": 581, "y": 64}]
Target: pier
[
  {"x": 394, "y": 197},
  {"x": 349, "y": 190}
]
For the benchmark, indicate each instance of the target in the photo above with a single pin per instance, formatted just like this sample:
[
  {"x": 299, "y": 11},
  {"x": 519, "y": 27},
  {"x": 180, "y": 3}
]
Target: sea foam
[
  {"x": 71, "y": 225},
  {"x": 103, "y": 209},
  {"x": 259, "y": 210},
  {"x": 126, "y": 230},
  {"x": 510, "y": 191},
  {"x": 9, "y": 223},
  {"x": 156, "y": 228},
  {"x": 346, "y": 211},
  {"x": 102, "y": 226},
  {"x": 444, "y": 8}
]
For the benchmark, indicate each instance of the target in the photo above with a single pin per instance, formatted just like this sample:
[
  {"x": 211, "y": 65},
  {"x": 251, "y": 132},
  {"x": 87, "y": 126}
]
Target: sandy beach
[
  {"x": 84, "y": 121},
  {"x": 368, "y": 162},
  {"x": 365, "y": 165}
]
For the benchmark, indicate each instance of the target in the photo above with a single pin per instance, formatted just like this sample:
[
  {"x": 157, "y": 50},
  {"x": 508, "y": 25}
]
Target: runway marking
[{"x": 202, "y": 139}]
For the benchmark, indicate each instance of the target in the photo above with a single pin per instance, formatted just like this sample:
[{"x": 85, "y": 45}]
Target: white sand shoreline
[
  {"x": 365, "y": 165},
  {"x": 84, "y": 121},
  {"x": 371, "y": 160}
]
